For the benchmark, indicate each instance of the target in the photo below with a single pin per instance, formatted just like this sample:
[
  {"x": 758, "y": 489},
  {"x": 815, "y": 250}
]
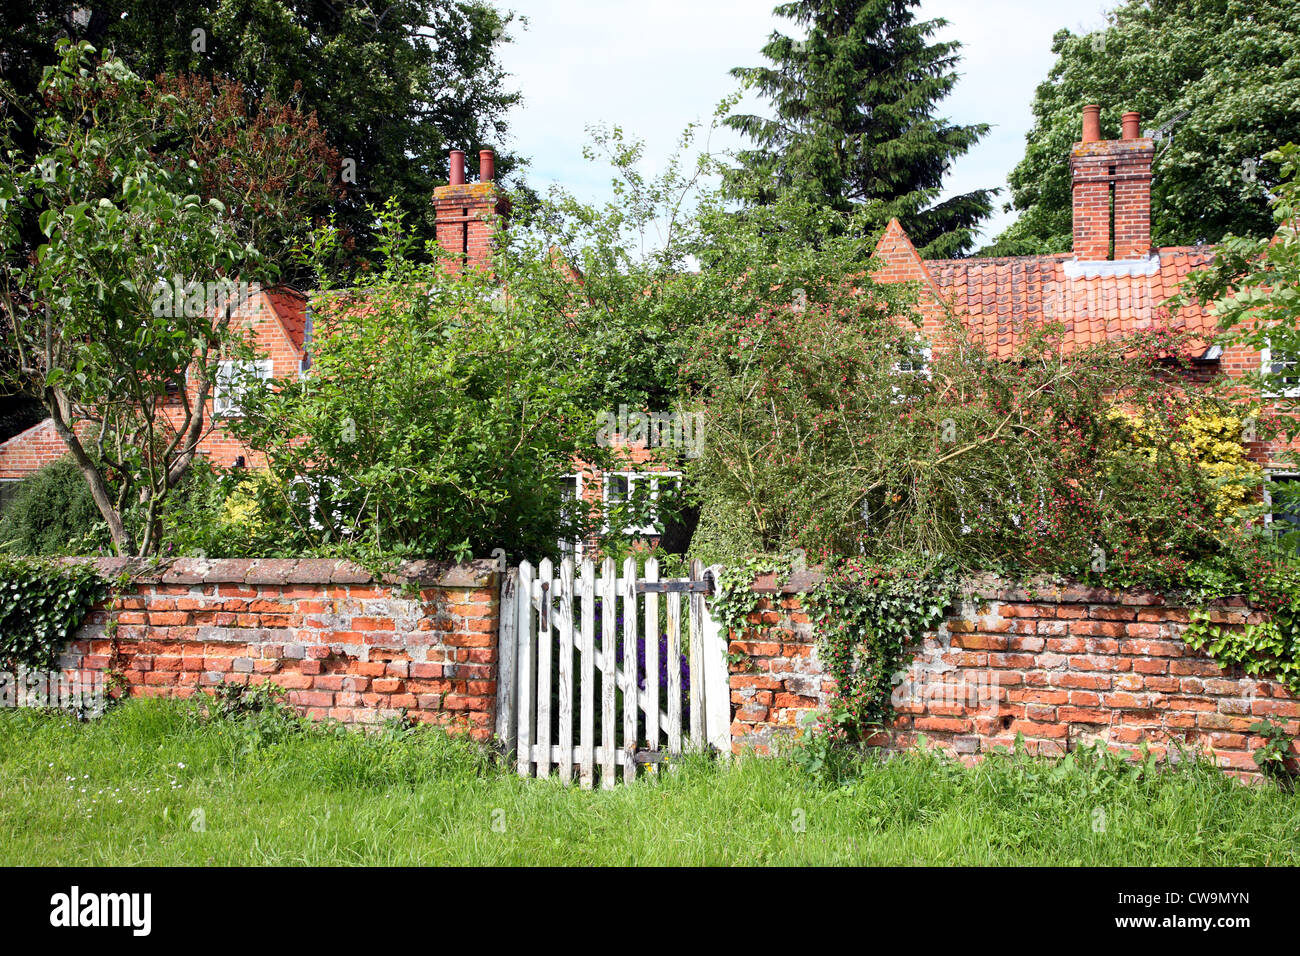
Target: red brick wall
[
  {"x": 1060, "y": 667},
  {"x": 31, "y": 450},
  {"x": 900, "y": 262},
  {"x": 344, "y": 645}
]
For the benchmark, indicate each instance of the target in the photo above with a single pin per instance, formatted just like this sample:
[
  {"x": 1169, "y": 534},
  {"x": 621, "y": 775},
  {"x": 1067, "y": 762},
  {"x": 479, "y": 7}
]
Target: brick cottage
[
  {"x": 1111, "y": 284},
  {"x": 1057, "y": 666}
]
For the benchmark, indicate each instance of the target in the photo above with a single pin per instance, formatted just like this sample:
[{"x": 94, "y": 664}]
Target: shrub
[
  {"x": 53, "y": 514},
  {"x": 437, "y": 420},
  {"x": 824, "y": 435},
  {"x": 217, "y": 514},
  {"x": 1213, "y": 441}
]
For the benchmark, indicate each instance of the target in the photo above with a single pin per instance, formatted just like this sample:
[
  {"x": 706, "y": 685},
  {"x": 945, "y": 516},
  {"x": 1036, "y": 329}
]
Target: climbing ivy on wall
[
  {"x": 1269, "y": 648},
  {"x": 865, "y": 616},
  {"x": 42, "y": 603}
]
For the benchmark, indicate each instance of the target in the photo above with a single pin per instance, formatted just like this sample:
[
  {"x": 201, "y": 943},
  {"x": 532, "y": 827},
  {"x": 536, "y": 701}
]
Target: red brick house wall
[{"x": 40, "y": 445}]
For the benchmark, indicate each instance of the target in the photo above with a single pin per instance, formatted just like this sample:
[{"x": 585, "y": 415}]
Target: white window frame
[
  {"x": 226, "y": 404},
  {"x": 633, "y": 477},
  {"x": 1266, "y": 368},
  {"x": 912, "y": 368},
  {"x": 572, "y": 548}
]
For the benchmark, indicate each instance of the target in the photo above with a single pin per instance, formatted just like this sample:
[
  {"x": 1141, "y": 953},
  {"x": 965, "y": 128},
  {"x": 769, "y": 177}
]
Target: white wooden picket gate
[{"x": 562, "y": 677}]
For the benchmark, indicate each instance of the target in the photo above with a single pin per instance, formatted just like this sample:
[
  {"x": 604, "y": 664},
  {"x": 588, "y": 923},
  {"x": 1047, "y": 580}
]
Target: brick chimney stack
[
  {"x": 1111, "y": 184},
  {"x": 466, "y": 214}
]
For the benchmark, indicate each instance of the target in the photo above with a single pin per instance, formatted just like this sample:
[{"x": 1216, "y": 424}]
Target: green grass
[{"x": 123, "y": 790}]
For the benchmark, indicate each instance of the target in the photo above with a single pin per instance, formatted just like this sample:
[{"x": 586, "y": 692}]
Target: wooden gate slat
[
  {"x": 507, "y": 651},
  {"x": 652, "y": 657},
  {"x": 631, "y": 692},
  {"x": 608, "y": 639},
  {"x": 717, "y": 687},
  {"x": 673, "y": 665},
  {"x": 587, "y": 731},
  {"x": 564, "y": 624},
  {"x": 545, "y": 643},
  {"x": 524, "y": 669},
  {"x": 696, "y": 655}
]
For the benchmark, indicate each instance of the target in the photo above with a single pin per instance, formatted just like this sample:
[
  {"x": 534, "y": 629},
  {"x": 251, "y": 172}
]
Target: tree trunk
[{"x": 55, "y": 402}]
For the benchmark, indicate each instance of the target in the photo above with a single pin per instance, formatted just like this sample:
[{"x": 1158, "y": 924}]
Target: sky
[{"x": 652, "y": 66}]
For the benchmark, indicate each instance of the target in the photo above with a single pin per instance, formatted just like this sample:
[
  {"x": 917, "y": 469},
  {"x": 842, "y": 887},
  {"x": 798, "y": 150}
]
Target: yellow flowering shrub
[
  {"x": 240, "y": 510},
  {"x": 1213, "y": 440}
]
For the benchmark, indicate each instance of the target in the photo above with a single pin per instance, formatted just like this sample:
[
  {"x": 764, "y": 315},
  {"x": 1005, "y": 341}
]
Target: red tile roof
[
  {"x": 1000, "y": 299},
  {"x": 290, "y": 307}
]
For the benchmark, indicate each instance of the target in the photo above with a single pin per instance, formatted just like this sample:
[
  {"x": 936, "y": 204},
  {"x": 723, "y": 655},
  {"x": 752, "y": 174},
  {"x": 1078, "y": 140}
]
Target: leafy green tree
[
  {"x": 667, "y": 258},
  {"x": 437, "y": 420},
  {"x": 1254, "y": 289},
  {"x": 1216, "y": 77},
  {"x": 395, "y": 84},
  {"x": 119, "y": 318},
  {"x": 855, "y": 120}
]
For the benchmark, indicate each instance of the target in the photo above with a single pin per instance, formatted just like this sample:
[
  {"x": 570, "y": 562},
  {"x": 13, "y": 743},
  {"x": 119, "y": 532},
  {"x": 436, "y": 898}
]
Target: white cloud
[{"x": 652, "y": 66}]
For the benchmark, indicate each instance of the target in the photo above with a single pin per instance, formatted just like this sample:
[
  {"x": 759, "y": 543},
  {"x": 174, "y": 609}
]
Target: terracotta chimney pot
[{"x": 1092, "y": 124}]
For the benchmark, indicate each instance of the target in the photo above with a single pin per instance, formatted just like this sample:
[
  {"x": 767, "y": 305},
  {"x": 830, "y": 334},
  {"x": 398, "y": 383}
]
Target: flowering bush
[{"x": 824, "y": 434}]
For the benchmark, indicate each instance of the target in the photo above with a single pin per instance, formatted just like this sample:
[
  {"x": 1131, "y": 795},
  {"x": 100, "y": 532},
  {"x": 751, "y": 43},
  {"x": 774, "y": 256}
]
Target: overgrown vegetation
[
  {"x": 867, "y": 617},
  {"x": 1266, "y": 648},
  {"x": 52, "y": 513},
  {"x": 152, "y": 784},
  {"x": 1253, "y": 289},
  {"x": 444, "y": 411},
  {"x": 822, "y": 438}
]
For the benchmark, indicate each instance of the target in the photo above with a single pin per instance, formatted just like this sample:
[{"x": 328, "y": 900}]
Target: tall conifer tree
[{"x": 855, "y": 119}]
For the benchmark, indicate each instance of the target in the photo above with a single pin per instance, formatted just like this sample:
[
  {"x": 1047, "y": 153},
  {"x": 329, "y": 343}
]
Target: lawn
[{"x": 152, "y": 783}]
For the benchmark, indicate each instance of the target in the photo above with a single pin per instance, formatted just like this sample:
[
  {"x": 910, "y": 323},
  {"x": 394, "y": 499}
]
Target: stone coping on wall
[
  {"x": 273, "y": 572},
  {"x": 991, "y": 587}
]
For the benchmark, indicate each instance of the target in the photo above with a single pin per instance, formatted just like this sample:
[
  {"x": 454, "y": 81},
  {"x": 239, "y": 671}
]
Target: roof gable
[
  {"x": 289, "y": 306},
  {"x": 899, "y": 260}
]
